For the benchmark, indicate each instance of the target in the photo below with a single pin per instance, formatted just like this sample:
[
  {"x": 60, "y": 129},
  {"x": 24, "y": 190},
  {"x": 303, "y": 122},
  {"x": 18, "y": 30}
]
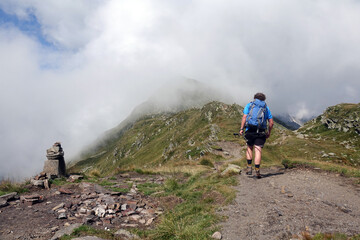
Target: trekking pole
[{"x": 238, "y": 135}]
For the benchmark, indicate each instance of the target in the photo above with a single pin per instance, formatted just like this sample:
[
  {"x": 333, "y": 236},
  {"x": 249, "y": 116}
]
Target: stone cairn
[{"x": 55, "y": 164}]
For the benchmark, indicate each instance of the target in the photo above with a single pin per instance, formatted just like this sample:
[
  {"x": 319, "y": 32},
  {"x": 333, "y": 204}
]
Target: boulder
[
  {"x": 9, "y": 196},
  {"x": 3, "y": 203},
  {"x": 62, "y": 215},
  {"x": 100, "y": 211},
  {"x": 73, "y": 178},
  {"x": 126, "y": 234},
  {"x": 231, "y": 169},
  {"x": 216, "y": 235},
  {"x": 65, "y": 191},
  {"x": 67, "y": 230},
  {"x": 61, "y": 205},
  {"x": 38, "y": 183}
]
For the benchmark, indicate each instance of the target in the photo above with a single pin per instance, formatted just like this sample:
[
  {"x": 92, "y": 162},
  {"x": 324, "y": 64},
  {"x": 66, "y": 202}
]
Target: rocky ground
[
  {"x": 49, "y": 213},
  {"x": 285, "y": 204}
]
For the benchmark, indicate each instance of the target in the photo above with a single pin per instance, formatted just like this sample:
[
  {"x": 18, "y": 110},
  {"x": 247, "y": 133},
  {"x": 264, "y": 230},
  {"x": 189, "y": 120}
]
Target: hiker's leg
[
  {"x": 249, "y": 152},
  {"x": 257, "y": 155},
  {"x": 257, "y": 160}
]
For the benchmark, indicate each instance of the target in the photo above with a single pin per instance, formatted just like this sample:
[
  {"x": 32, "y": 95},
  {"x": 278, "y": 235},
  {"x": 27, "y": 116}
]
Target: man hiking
[{"x": 255, "y": 118}]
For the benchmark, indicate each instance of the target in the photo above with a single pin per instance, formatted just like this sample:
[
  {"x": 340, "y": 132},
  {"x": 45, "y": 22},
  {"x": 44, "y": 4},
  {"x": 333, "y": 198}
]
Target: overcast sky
[{"x": 69, "y": 70}]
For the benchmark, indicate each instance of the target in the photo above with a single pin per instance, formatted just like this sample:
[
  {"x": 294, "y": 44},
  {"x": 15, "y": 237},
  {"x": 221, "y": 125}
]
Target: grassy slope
[
  {"x": 184, "y": 138},
  {"x": 173, "y": 139}
]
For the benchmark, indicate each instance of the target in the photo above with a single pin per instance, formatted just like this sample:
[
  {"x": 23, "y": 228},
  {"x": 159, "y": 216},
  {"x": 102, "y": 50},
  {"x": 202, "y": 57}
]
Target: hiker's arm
[
  {"x": 243, "y": 124},
  {"x": 271, "y": 124}
]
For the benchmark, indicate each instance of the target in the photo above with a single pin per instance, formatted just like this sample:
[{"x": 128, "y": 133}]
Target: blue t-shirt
[{"x": 267, "y": 112}]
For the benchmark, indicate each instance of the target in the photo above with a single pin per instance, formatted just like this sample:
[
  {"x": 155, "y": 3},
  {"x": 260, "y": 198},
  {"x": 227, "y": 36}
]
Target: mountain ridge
[{"x": 188, "y": 136}]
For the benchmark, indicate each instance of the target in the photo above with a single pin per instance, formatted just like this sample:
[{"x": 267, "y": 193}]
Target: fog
[{"x": 70, "y": 70}]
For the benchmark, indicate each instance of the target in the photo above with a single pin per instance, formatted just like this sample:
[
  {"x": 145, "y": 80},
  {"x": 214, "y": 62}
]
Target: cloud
[{"x": 99, "y": 59}]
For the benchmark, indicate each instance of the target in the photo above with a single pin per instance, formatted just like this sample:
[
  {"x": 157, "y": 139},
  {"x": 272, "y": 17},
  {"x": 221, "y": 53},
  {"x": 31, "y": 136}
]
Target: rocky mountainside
[
  {"x": 339, "y": 128},
  {"x": 342, "y": 118}
]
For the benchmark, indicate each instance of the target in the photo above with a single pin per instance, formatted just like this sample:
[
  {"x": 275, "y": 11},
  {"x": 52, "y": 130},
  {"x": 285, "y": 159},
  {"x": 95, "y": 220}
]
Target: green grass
[
  {"x": 7, "y": 186},
  {"x": 105, "y": 183},
  {"x": 144, "y": 172},
  {"x": 59, "y": 181},
  {"x": 85, "y": 230},
  {"x": 335, "y": 236},
  {"x": 149, "y": 188},
  {"x": 163, "y": 139},
  {"x": 194, "y": 217},
  {"x": 331, "y": 167},
  {"x": 122, "y": 190}
]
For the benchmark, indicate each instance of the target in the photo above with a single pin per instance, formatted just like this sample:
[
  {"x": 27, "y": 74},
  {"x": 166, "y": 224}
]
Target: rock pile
[
  {"x": 40, "y": 180},
  {"x": 55, "y": 165},
  {"x": 29, "y": 200},
  {"x": 96, "y": 205}
]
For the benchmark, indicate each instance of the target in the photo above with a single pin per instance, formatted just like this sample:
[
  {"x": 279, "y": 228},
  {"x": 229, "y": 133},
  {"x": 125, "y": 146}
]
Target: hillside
[
  {"x": 162, "y": 177},
  {"x": 336, "y": 133},
  {"x": 170, "y": 139},
  {"x": 171, "y": 98},
  {"x": 185, "y": 138}
]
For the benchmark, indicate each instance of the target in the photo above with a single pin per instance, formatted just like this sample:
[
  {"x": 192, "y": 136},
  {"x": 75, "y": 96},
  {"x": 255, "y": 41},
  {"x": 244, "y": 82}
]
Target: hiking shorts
[{"x": 254, "y": 138}]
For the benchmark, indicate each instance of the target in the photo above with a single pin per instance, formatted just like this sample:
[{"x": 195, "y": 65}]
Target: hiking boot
[
  {"x": 258, "y": 175},
  {"x": 249, "y": 170}
]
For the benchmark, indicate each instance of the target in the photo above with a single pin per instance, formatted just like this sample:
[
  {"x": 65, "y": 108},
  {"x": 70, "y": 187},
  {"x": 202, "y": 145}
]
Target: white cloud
[{"x": 112, "y": 55}]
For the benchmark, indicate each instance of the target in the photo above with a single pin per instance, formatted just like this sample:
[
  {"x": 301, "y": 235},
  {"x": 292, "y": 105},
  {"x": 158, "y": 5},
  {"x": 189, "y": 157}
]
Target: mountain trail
[
  {"x": 231, "y": 151},
  {"x": 285, "y": 203}
]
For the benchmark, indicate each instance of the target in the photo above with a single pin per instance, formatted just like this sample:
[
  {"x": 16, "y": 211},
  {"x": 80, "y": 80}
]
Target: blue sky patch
[{"x": 29, "y": 26}]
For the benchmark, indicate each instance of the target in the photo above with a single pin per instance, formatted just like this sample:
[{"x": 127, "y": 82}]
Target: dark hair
[{"x": 260, "y": 96}]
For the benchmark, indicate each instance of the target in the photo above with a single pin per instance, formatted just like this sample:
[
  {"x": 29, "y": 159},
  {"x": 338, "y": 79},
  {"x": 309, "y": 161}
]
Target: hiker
[{"x": 255, "y": 118}]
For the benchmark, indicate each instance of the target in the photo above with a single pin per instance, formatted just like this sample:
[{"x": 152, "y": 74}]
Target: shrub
[
  {"x": 288, "y": 163},
  {"x": 144, "y": 172},
  {"x": 171, "y": 185},
  {"x": 206, "y": 162},
  {"x": 58, "y": 181},
  {"x": 95, "y": 173}
]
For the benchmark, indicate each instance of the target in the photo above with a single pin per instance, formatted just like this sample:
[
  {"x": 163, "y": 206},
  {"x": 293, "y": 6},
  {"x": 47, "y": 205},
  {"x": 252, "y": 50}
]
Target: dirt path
[{"x": 283, "y": 204}]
